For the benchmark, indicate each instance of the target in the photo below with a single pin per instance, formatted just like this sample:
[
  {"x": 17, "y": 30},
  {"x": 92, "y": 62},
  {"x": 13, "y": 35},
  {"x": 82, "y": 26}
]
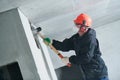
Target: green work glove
[{"x": 47, "y": 41}]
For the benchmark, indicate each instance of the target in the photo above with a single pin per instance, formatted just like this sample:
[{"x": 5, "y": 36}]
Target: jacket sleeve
[
  {"x": 86, "y": 53},
  {"x": 65, "y": 45}
]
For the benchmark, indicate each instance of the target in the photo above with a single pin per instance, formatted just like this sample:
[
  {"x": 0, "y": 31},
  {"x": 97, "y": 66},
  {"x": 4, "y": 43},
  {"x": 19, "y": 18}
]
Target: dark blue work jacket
[{"x": 87, "y": 51}]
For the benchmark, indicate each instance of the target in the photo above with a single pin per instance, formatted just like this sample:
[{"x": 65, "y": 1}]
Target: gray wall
[
  {"x": 109, "y": 38},
  {"x": 14, "y": 45}
]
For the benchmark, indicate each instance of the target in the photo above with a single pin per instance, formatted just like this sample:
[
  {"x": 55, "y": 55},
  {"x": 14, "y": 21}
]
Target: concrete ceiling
[{"x": 56, "y": 16}]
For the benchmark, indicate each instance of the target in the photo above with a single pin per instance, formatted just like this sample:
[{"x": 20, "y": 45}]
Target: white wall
[
  {"x": 14, "y": 45},
  {"x": 17, "y": 44},
  {"x": 41, "y": 56},
  {"x": 36, "y": 52},
  {"x": 109, "y": 38}
]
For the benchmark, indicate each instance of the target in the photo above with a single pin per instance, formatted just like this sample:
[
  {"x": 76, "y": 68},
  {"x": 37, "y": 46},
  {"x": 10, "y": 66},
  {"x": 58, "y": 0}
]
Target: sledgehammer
[{"x": 51, "y": 46}]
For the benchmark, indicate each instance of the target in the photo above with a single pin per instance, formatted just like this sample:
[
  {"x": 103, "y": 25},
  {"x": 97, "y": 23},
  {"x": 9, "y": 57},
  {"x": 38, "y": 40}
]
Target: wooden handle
[
  {"x": 41, "y": 35},
  {"x": 58, "y": 53},
  {"x": 55, "y": 50}
]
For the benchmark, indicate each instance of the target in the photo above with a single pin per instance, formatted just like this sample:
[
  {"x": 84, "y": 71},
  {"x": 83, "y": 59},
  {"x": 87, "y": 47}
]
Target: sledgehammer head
[
  {"x": 34, "y": 29},
  {"x": 38, "y": 29}
]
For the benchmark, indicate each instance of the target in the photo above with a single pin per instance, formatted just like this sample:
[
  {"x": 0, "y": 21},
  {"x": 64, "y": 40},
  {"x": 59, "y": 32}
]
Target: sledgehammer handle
[
  {"x": 54, "y": 49},
  {"x": 41, "y": 35},
  {"x": 59, "y": 54}
]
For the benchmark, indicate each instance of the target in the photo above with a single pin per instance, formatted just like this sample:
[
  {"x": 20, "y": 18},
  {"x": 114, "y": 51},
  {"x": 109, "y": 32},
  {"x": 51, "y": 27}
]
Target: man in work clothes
[{"x": 86, "y": 47}]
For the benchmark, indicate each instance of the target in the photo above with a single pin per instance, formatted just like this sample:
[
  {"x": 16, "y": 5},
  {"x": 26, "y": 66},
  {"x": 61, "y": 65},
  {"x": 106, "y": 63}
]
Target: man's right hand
[{"x": 47, "y": 41}]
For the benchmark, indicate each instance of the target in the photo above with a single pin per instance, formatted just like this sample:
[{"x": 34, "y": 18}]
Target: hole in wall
[{"x": 10, "y": 72}]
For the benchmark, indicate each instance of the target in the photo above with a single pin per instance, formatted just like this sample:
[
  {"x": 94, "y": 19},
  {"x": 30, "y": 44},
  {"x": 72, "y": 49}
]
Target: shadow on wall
[{"x": 69, "y": 73}]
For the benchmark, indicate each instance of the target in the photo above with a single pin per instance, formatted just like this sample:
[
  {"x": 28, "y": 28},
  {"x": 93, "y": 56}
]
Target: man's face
[{"x": 81, "y": 28}]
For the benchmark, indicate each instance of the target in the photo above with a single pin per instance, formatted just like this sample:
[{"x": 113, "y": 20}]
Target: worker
[{"x": 86, "y": 46}]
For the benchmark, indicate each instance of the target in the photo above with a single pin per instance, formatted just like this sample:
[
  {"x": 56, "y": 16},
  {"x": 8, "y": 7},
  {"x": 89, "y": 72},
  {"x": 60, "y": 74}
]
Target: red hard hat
[{"x": 83, "y": 19}]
